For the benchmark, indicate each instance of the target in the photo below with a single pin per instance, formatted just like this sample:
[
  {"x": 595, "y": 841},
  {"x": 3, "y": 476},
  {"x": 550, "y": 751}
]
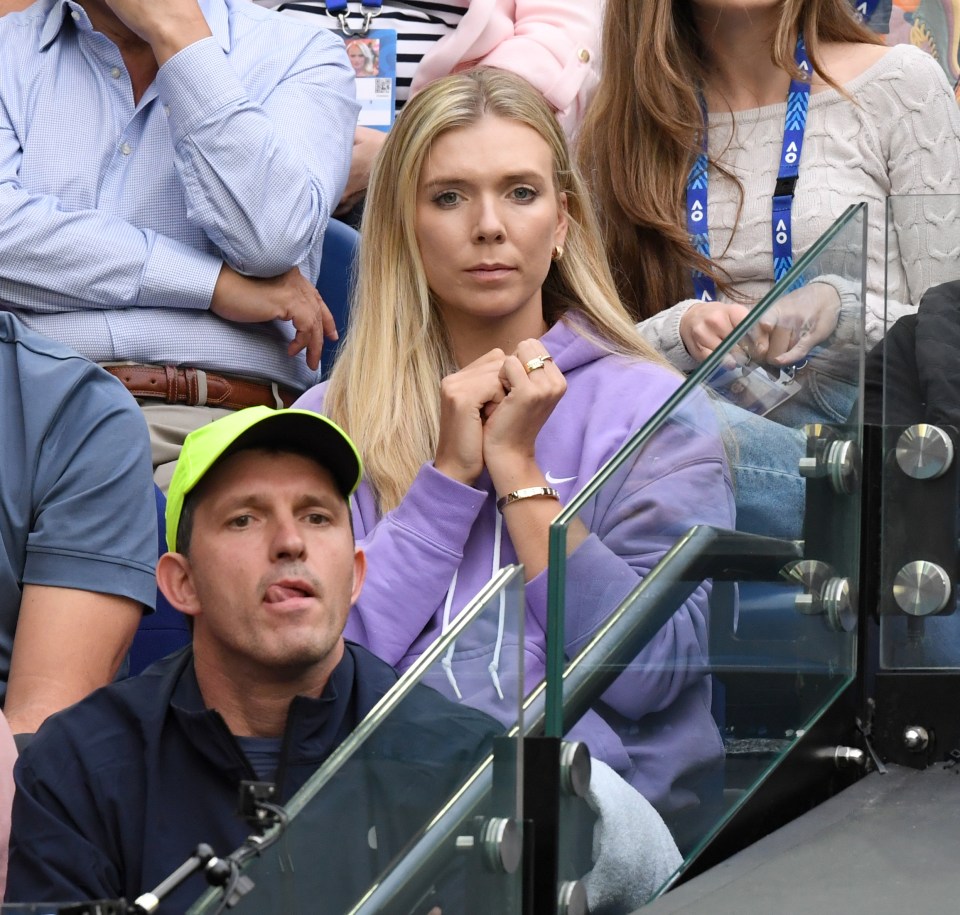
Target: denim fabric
[
  {"x": 765, "y": 451},
  {"x": 764, "y": 458},
  {"x": 827, "y": 396}
]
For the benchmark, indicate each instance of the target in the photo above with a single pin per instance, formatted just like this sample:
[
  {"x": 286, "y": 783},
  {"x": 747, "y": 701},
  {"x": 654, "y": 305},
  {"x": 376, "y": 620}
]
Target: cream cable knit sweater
[{"x": 899, "y": 135}]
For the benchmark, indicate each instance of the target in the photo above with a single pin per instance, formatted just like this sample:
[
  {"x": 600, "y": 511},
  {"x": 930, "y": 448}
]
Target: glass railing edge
[
  {"x": 407, "y": 681},
  {"x": 557, "y": 539},
  {"x": 706, "y": 368}
]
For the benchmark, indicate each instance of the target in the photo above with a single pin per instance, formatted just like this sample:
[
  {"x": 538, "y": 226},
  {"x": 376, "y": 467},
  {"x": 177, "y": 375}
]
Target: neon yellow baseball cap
[{"x": 257, "y": 427}]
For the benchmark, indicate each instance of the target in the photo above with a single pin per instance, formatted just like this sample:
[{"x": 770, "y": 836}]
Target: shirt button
[
  {"x": 166, "y": 109},
  {"x": 75, "y": 15},
  {"x": 584, "y": 55},
  {"x": 126, "y": 149},
  {"x": 115, "y": 72}
]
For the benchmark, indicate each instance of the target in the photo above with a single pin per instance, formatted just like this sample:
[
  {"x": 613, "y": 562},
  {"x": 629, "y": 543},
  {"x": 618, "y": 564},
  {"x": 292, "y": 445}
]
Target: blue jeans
[{"x": 765, "y": 451}]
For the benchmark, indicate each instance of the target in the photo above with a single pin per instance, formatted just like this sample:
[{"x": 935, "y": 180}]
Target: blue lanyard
[
  {"x": 340, "y": 9},
  {"x": 793, "y": 129},
  {"x": 865, "y": 9}
]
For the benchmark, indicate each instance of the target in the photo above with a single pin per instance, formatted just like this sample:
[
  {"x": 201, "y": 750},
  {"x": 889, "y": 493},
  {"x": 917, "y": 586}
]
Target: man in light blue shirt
[{"x": 167, "y": 171}]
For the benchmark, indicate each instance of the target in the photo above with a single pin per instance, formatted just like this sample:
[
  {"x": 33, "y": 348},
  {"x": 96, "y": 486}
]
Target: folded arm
[
  {"x": 258, "y": 176},
  {"x": 556, "y": 48},
  {"x": 60, "y": 845},
  {"x": 261, "y": 177},
  {"x": 90, "y": 551}
]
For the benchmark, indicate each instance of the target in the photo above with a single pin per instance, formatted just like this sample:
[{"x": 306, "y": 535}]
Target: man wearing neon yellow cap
[{"x": 117, "y": 791}]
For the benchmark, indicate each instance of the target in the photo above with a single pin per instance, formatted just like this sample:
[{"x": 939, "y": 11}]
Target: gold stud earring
[{"x": 557, "y": 252}]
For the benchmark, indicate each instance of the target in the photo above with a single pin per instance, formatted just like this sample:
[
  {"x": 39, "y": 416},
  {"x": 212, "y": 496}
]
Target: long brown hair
[{"x": 644, "y": 129}]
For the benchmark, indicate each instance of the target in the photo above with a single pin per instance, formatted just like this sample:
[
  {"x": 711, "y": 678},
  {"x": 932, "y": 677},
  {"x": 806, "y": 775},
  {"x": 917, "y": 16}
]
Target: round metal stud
[
  {"x": 849, "y": 757},
  {"x": 924, "y": 452},
  {"x": 843, "y": 462},
  {"x": 501, "y": 845},
  {"x": 838, "y": 460},
  {"x": 812, "y": 575},
  {"x": 574, "y": 768},
  {"x": 839, "y": 604},
  {"x": 916, "y": 738},
  {"x": 921, "y": 588},
  {"x": 572, "y": 899}
]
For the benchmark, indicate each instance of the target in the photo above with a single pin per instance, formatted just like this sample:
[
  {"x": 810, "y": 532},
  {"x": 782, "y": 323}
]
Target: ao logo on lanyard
[
  {"x": 865, "y": 9},
  {"x": 795, "y": 124}
]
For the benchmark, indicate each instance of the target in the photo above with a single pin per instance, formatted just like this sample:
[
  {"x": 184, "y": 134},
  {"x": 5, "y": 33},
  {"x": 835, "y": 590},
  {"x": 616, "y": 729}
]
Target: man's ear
[
  {"x": 359, "y": 573},
  {"x": 175, "y": 579}
]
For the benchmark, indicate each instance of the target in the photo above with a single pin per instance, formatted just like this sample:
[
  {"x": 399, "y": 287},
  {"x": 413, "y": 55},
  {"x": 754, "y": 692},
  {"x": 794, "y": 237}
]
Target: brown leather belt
[{"x": 195, "y": 387}]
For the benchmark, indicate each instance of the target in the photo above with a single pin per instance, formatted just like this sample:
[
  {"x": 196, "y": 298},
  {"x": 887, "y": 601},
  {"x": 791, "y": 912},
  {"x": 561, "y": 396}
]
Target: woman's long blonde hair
[
  {"x": 385, "y": 385},
  {"x": 644, "y": 129}
]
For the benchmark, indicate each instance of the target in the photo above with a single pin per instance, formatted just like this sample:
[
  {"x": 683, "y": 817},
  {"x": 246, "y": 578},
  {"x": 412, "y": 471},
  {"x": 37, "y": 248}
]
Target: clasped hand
[
  {"x": 491, "y": 412},
  {"x": 786, "y": 333}
]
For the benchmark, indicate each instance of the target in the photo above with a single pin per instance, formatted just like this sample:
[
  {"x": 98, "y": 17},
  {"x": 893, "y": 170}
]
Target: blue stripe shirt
[{"x": 115, "y": 219}]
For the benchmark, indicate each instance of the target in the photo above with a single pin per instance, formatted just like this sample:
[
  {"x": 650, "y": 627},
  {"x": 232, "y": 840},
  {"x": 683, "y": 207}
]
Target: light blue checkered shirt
[{"x": 115, "y": 219}]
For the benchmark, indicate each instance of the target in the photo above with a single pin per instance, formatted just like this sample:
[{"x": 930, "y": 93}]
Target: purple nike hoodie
[{"x": 428, "y": 557}]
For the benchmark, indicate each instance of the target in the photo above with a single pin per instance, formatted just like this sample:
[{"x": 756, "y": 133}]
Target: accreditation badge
[
  {"x": 373, "y": 56},
  {"x": 753, "y": 387}
]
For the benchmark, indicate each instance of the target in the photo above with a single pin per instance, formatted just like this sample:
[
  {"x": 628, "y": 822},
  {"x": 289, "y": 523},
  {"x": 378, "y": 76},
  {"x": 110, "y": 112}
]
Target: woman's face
[
  {"x": 356, "y": 58},
  {"x": 487, "y": 220}
]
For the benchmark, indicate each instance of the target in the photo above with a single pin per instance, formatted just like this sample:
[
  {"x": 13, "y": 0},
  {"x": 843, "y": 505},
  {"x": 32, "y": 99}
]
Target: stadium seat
[
  {"x": 164, "y": 631},
  {"x": 340, "y": 245}
]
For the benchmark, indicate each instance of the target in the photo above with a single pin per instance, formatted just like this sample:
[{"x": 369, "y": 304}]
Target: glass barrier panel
[
  {"x": 389, "y": 782},
  {"x": 913, "y": 391},
  {"x": 701, "y": 604}
]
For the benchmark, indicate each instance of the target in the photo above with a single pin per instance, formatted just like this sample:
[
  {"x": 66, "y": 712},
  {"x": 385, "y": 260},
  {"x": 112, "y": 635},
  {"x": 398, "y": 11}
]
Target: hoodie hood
[{"x": 570, "y": 348}]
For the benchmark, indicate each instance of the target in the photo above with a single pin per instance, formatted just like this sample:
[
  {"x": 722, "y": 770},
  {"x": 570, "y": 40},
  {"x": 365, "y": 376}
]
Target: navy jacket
[{"x": 116, "y": 792}]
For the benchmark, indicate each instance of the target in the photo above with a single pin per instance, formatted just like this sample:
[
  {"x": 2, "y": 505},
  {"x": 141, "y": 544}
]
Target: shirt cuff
[
  {"x": 663, "y": 331},
  {"x": 848, "y": 329},
  {"x": 440, "y": 509},
  {"x": 178, "y": 276},
  {"x": 196, "y": 85}
]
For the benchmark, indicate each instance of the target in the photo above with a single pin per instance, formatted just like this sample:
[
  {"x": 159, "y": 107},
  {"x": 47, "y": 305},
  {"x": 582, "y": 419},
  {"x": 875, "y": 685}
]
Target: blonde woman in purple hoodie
[{"x": 489, "y": 371}]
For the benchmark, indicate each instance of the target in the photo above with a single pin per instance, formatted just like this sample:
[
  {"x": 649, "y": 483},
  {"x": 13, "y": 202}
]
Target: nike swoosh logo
[{"x": 554, "y": 481}]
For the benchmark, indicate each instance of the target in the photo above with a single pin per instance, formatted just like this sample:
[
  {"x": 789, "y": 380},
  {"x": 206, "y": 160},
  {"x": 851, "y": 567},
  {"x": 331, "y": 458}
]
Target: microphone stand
[
  {"x": 256, "y": 807},
  {"x": 216, "y": 870}
]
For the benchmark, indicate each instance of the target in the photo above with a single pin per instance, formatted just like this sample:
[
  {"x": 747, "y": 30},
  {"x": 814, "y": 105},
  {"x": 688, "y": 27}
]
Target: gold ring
[{"x": 538, "y": 362}]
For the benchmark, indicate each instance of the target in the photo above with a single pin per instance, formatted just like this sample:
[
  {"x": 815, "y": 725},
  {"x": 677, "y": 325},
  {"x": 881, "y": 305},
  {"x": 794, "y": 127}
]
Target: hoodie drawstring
[
  {"x": 447, "y": 662},
  {"x": 494, "y": 666}
]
